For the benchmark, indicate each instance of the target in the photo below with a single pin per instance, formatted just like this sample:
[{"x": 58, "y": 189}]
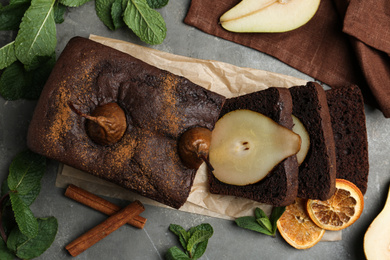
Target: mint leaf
[
  {"x": 259, "y": 213},
  {"x": 277, "y": 212},
  {"x": 199, "y": 249},
  {"x": 117, "y": 14},
  {"x": 204, "y": 226},
  {"x": 28, "y": 248},
  {"x": 73, "y": 3},
  {"x": 103, "y": 11},
  {"x": 7, "y": 55},
  {"x": 174, "y": 253},
  {"x": 37, "y": 33},
  {"x": 59, "y": 12},
  {"x": 25, "y": 219},
  {"x": 12, "y": 82},
  {"x": 30, "y": 197},
  {"x": 198, "y": 237},
  {"x": 250, "y": 223},
  {"x": 26, "y": 171},
  {"x": 155, "y": 4},
  {"x": 145, "y": 22},
  {"x": 181, "y": 233},
  {"x": 265, "y": 223},
  {"x": 11, "y": 15},
  {"x": 5, "y": 253}
]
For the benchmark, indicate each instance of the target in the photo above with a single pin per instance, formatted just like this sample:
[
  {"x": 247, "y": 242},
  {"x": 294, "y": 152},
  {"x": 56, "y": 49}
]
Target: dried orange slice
[
  {"x": 297, "y": 228},
  {"x": 341, "y": 210}
]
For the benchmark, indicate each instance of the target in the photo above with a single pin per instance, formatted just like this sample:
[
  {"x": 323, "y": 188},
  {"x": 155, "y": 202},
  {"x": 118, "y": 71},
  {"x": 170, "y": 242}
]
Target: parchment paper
[{"x": 223, "y": 78}]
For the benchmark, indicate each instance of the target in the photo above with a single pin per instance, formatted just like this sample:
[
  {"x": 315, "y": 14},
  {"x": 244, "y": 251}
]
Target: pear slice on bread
[{"x": 246, "y": 146}]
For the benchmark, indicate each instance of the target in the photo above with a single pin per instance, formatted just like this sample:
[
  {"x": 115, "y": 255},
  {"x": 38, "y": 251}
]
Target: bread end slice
[{"x": 346, "y": 107}]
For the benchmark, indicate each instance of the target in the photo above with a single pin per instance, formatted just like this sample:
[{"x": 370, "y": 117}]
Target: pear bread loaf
[
  {"x": 279, "y": 187},
  {"x": 158, "y": 107},
  {"x": 346, "y": 107},
  {"x": 317, "y": 173}
]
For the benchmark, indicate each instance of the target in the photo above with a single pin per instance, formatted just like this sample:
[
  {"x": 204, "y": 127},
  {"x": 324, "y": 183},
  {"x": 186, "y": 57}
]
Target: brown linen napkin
[
  {"x": 320, "y": 48},
  {"x": 368, "y": 25}
]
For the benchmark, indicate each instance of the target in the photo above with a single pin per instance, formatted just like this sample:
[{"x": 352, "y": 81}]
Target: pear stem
[
  {"x": 204, "y": 158},
  {"x": 74, "y": 109}
]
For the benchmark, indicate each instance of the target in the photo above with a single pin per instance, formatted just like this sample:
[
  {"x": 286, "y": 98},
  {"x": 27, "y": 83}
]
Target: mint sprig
[
  {"x": 138, "y": 15},
  {"x": 36, "y": 39},
  {"x": 194, "y": 242},
  {"x": 145, "y": 22},
  {"x": 28, "y": 60},
  {"x": 260, "y": 222},
  {"x": 22, "y": 234}
]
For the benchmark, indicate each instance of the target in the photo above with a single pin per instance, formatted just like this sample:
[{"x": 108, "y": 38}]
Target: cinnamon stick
[
  {"x": 100, "y": 204},
  {"x": 105, "y": 228}
]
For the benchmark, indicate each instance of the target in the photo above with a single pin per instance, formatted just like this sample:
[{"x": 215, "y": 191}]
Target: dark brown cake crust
[
  {"x": 346, "y": 108},
  {"x": 159, "y": 107},
  {"x": 317, "y": 173},
  {"x": 280, "y": 187}
]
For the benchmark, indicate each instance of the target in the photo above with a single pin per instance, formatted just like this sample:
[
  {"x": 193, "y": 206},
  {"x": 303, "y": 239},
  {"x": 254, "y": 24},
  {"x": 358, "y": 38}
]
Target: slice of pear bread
[
  {"x": 346, "y": 107},
  {"x": 280, "y": 187},
  {"x": 317, "y": 173}
]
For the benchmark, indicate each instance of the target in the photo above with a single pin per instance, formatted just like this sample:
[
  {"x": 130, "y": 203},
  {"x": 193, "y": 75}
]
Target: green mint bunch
[
  {"x": 26, "y": 62},
  {"x": 138, "y": 15},
  {"x": 22, "y": 234},
  {"x": 194, "y": 242},
  {"x": 260, "y": 222}
]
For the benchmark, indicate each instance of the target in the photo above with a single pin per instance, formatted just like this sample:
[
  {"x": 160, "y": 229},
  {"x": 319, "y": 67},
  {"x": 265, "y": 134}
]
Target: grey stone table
[{"x": 228, "y": 241}]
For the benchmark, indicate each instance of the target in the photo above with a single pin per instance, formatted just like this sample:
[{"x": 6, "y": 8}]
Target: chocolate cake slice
[
  {"x": 158, "y": 105},
  {"x": 317, "y": 173},
  {"x": 346, "y": 107},
  {"x": 279, "y": 187}
]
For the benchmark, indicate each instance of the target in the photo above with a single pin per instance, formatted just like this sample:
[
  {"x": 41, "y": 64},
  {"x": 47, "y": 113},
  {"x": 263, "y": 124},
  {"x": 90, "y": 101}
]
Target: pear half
[
  {"x": 269, "y": 15},
  {"x": 246, "y": 145},
  {"x": 300, "y": 129},
  {"x": 377, "y": 238}
]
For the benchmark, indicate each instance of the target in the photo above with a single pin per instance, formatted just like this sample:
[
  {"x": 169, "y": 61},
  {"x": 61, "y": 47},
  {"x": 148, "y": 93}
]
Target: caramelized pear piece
[
  {"x": 246, "y": 146},
  {"x": 107, "y": 123},
  {"x": 194, "y": 146},
  {"x": 300, "y": 129}
]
